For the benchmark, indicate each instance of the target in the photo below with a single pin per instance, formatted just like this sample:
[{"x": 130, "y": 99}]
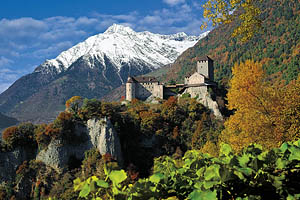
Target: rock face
[
  {"x": 98, "y": 133},
  {"x": 204, "y": 98},
  {"x": 9, "y": 162},
  {"x": 104, "y": 138}
]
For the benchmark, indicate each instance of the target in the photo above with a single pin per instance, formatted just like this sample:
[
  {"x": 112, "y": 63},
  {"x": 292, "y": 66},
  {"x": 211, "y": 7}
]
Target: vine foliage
[{"x": 253, "y": 174}]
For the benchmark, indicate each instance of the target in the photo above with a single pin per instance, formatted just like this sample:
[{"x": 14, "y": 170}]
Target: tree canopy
[
  {"x": 244, "y": 12},
  {"x": 265, "y": 112}
]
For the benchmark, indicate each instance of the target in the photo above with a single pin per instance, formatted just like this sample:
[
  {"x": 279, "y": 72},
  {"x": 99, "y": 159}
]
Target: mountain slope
[
  {"x": 90, "y": 69},
  {"x": 277, "y": 45},
  {"x": 6, "y": 121}
]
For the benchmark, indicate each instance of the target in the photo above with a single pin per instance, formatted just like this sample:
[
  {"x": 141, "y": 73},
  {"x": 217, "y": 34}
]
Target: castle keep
[{"x": 144, "y": 87}]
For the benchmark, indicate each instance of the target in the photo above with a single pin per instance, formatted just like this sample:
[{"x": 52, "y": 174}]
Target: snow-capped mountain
[
  {"x": 91, "y": 69},
  {"x": 121, "y": 45}
]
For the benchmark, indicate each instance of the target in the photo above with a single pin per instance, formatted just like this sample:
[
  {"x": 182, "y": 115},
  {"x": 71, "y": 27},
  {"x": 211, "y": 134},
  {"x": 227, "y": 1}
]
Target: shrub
[
  {"x": 22, "y": 135},
  {"x": 9, "y": 135},
  {"x": 90, "y": 108}
]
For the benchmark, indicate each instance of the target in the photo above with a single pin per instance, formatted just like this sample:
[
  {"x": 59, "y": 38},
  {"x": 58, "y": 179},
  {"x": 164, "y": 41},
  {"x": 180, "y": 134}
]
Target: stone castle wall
[{"x": 143, "y": 90}]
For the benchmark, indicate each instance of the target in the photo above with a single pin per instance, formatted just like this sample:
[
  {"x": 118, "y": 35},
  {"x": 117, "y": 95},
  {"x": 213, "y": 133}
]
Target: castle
[{"x": 144, "y": 87}]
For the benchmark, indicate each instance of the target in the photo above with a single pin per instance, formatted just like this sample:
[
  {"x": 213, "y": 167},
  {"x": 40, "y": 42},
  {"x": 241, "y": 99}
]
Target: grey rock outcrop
[
  {"x": 104, "y": 138},
  {"x": 204, "y": 98},
  {"x": 98, "y": 133}
]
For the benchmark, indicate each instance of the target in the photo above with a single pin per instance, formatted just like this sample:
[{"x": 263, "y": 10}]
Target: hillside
[
  {"x": 90, "y": 69},
  {"x": 6, "y": 121},
  {"x": 277, "y": 45}
]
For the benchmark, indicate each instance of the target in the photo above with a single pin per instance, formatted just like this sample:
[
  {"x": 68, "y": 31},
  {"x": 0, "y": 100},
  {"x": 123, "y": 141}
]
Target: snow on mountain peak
[
  {"x": 117, "y": 28},
  {"x": 121, "y": 44}
]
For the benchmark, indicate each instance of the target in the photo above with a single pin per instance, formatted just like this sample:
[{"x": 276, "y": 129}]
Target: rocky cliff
[
  {"x": 204, "y": 97},
  {"x": 96, "y": 133}
]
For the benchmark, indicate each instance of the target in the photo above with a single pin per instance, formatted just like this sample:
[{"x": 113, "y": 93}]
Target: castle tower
[
  {"x": 205, "y": 66},
  {"x": 130, "y": 89}
]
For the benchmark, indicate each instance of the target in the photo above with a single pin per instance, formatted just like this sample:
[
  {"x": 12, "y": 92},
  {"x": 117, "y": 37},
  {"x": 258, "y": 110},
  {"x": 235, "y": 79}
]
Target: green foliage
[
  {"x": 252, "y": 174},
  {"x": 90, "y": 108},
  {"x": 95, "y": 188}
]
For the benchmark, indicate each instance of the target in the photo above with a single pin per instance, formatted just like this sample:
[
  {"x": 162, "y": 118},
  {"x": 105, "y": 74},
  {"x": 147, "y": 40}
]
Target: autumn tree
[
  {"x": 90, "y": 108},
  {"x": 21, "y": 135},
  {"x": 289, "y": 112},
  {"x": 245, "y": 13},
  {"x": 172, "y": 112},
  {"x": 265, "y": 112},
  {"x": 151, "y": 122},
  {"x": 73, "y": 104}
]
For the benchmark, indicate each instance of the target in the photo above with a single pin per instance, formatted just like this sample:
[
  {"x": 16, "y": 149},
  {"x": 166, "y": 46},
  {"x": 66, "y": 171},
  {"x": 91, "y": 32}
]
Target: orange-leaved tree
[
  {"x": 73, "y": 104},
  {"x": 263, "y": 109}
]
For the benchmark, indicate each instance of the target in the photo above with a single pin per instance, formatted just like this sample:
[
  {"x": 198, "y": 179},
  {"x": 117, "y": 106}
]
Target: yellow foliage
[
  {"x": 72, "y": 105},
  {"x": 223, "y": 12},
  {"x": 71, "y": 100},
  {"x": 210, "y": 148},
  {"x": 265, "y": 113}
]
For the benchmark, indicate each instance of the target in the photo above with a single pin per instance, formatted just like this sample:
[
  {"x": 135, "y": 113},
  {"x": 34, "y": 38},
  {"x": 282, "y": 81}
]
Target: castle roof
[
  {"x": 190, "y": 74},
  {"x": 142, "y": 79},
  {"x": 205, "y": 58}
]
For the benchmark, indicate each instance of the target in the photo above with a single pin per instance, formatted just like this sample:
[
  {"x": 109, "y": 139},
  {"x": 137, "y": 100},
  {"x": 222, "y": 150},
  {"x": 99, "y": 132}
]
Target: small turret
[{"x": 130, "y": 89}]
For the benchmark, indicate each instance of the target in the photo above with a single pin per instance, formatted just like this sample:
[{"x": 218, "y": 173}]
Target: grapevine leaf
[
  {"x": 156, "y": 178},
  {"x": 198, "y": 185},
  {"x": 225, "y": 149},
  {"x": 297, "y": 143},
  {"x": 117, "y": 176},
  {"x": 212, "y": 172},
  {"x": 280, "y": 163},
  {"x": 295, "y": 154},
  {"x": 94, "y": 178},
  {"x": 210, "y": 184},
  {"x": 247, "y": 171},
  {"x": 188, "y": 162},
  {"x": 278, "y": 181},
  {"x": 203, "y": 195},
  {"x": 77, "y": 184},
  {"x": 284, "y": 147},
  {"x": 293, "y": 197},
  {"x": 85, "y": 191},
  {"x": 239, "y": 174},
  {"x": 115, "y": 190},
  {"x": 102, "y": 183},
  {"x": 243, "y": 160},
  {"x": 200, "y": 172}
]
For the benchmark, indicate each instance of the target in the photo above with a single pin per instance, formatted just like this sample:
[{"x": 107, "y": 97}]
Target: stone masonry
[{"x": 144, "y": 87}]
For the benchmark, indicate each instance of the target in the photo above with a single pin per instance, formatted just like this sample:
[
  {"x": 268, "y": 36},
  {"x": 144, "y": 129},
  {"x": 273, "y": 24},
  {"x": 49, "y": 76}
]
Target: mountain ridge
[
  {"x": 122, "y": 44},
  {"x": 90, "y": 69}
]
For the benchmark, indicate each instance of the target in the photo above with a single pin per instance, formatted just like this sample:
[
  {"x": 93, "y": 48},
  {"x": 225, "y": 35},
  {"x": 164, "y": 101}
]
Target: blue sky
[{"x": 32, "y": 31}]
